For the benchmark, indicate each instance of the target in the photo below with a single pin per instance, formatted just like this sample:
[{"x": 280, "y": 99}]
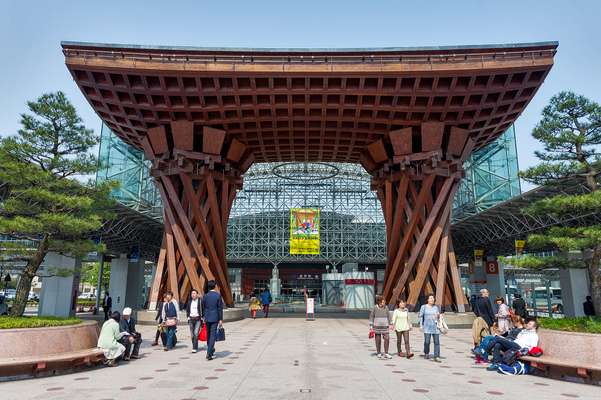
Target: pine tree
[
  {"x": 44, "y": 199},
  {"x": 570, "y": 130}
]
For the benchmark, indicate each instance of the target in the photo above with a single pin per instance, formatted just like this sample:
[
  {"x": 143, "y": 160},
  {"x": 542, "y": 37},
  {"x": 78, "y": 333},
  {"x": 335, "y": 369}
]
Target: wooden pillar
[
  {"x": 198, "y": 181},
  {"x": 416, "y": 189}
]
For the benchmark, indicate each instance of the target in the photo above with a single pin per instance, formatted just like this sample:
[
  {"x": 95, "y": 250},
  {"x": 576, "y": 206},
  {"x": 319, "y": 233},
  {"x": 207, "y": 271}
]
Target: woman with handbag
[
  {"x": 379, "y": 323},
  {"x": 429, "y": 316},
  {"x": 169, "y": 314}
]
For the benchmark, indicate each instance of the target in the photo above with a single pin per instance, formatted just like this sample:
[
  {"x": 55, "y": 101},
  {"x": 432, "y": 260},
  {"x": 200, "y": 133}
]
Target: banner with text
[{"x": 304, "y": 231}]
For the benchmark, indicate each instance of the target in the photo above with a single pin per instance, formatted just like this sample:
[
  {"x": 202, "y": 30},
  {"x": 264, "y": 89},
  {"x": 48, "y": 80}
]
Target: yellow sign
[
  {"x": 304, "y": 231},
  {"x": 478, "y": 253},
  {"x": 519, "y": 245}
]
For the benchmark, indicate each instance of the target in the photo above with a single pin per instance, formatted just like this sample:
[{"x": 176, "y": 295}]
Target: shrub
[
  {"x": 580, "y": 324},
  {"x": 7, "y": 322}
]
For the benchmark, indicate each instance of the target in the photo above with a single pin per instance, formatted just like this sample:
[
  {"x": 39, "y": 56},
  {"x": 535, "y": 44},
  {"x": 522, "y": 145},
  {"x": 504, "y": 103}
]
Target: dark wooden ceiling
[{"x": 309, "y": 105}]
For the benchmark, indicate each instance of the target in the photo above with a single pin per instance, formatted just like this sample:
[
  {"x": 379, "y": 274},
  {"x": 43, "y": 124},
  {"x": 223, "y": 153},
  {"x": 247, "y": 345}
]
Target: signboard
[
  {"x": 519, "y": 246},
  {"x": 304, "y": 230},
  {"x": 310, "y": 315},
  {"x": 492, "y": 267},
  {"x": 358, "y": 281}
]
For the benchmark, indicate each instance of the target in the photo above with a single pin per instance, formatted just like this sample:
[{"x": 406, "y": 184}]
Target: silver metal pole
[{"x": 99, "y": 283}]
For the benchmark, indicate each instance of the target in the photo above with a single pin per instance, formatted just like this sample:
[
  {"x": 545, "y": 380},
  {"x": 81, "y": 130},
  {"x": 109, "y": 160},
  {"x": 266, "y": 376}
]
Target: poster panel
[{"x": 304, "y": 231}]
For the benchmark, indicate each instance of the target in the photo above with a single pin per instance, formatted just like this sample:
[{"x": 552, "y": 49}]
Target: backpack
[
  {"x": 510, "y": 357},
  {"x": 517, "y": 368}
]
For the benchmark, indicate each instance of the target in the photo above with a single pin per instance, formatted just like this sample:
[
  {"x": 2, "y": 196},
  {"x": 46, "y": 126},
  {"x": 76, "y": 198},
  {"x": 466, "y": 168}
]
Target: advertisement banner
[{"x": 304, "y": 231}]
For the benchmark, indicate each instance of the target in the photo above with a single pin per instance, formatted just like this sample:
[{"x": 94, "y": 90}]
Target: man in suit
[
  {"x": 212, "y": 311},
  {"x": 484, "y": 308},
  {"x": 132, "y": 337},
  {"x": 194, "y": 314},
  {"x": 107, "y": 303},
  {"x": 169, "y": 317}
]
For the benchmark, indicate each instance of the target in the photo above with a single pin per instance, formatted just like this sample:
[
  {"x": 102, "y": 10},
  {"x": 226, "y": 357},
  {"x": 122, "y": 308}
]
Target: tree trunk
[
  {"x": 24, "y": 286},
  {"x": 595, "y": 279}
]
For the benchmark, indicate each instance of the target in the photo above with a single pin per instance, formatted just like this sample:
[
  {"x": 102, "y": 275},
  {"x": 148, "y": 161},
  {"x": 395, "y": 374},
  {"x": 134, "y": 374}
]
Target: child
[
  {"x": 402, "y": 326},
  {"x": 253, "y": 306}
]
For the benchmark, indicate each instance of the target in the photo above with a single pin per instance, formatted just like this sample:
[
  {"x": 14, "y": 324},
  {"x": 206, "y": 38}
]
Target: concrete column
[
  {"x": 574, "y": 289},
  {"x": 60, "y": 280},
  {"x": 126, "y": 283}
]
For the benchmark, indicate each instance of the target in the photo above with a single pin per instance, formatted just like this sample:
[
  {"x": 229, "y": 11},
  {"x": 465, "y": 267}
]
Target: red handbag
[
  {"x": 202, "y": 335},
  {"x": 372, "y": 333}
]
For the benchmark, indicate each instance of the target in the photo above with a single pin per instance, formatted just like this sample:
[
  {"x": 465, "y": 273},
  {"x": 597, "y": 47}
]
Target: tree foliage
[
  {"x": 43, "y": 201},
  {"x": 570, "y": 131},
  {"x": 89, "y": 274}
]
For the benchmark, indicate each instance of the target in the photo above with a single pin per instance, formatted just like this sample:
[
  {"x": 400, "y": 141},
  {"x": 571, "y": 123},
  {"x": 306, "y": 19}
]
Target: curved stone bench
[
  {"x": 568, "y": 354},
  {"x": 29, "y": 351}
]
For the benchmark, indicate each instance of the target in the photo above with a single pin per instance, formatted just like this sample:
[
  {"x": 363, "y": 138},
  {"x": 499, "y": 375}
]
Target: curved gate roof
[{"x": 309, "y": 104}]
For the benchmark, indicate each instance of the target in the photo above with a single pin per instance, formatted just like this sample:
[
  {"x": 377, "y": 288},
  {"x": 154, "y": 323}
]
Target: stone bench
[
  {"x": 567, "y": 354},
  {"x": 31, "y": 351},
  {"x": 34, "y": 365}
]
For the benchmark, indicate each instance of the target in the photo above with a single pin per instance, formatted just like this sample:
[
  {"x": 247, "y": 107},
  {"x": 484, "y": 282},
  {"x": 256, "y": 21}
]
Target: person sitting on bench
[
  {"x": 525, "y": 340},
  {"x": 130, "y": 337}
]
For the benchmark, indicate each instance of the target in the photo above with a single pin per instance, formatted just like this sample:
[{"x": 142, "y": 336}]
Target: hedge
[
  {"x": 580, "y": 324},
  {"x": 7, "y": 322}
]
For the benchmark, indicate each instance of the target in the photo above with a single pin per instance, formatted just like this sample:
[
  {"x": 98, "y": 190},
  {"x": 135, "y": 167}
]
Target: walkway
[{"x": 289, "y": 358}]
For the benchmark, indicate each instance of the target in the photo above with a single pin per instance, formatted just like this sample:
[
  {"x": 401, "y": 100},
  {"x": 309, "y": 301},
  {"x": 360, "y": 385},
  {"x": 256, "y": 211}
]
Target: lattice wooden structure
[{"x": 409, "y": 115}]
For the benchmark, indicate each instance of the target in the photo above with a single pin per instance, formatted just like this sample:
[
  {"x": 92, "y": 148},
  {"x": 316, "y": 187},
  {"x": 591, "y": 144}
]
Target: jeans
[
  {"x": 266, "y": 310},
  {"x": 211, "y": 334},
  {"x": 436, "y": 337},
  {"x": 194, "y": 329},
  {"x": 170, "y": 337},
  {"x": 502, "y": 344}
]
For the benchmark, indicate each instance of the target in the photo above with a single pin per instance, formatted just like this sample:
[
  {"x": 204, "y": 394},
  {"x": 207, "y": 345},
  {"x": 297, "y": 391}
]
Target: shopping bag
[
  {"x": 371, "y": 334},
  {"x": 202, "y": 335},
  {"x": 220, "y": 336}
]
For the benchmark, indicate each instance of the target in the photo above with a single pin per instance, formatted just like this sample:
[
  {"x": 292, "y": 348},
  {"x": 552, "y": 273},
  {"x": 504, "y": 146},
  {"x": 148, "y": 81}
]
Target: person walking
[
  {"x": 107, "y": 303},
  {"x": 484, "y": 308},
  {"x": 108, "y": 340},
  {"x": 131, "y": 337},
  {"x": 519, "y": 306},
  {"x": 254, "y": 305},
  {"x": 212, "y": 311},
  {"x": 266, "y": 300},
  {"x": 429, "y": 314},
  {"x": 194, "y": 314},
  {"x": 160, "y": 328},
  {"x": 169, "y": 317},
  {"x": 503, "y": 315},
  {"x": 589, "y": 307},
  {"x": 379, "y": 322},
  {"x": 402, "y": 326}
]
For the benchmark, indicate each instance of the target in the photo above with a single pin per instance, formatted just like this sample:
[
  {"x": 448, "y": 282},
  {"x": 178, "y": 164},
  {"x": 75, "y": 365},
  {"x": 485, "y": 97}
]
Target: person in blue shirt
[
  {"x": 212, "y": 312},
  {"x": 266, "y": 300}
]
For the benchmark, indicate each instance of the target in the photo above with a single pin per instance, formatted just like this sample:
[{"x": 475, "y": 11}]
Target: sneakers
[
  {"x": 401, "y": 354},
  {"x": 492, "y": 367},
  {"x": 387, "y": 356},
  {"x": 409, "y": 355},
  {"x": 194, "y": 351},
  {"x": 380, "y": 356},
  {"x": 436, "y": 360}
]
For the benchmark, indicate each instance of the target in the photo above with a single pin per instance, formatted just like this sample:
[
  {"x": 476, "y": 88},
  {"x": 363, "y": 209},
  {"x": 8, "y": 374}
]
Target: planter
[{"x": 39, "y": 342}]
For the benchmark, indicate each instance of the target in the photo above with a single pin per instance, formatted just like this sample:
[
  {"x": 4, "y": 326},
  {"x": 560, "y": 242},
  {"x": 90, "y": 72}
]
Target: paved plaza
[{"x": 290, "y": 358}]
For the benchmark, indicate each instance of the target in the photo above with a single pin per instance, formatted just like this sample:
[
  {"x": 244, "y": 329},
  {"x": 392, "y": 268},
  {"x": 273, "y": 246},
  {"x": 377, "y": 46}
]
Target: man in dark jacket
[
  {"x": 519, "y": 306},
  {"x": 212, "y": 311},
  {"x": 484, "y": 308},
  {"x": 107, "y": 303},
  {"x": 128, "y": 325},
  {"x": 589, "y": 307},
  {"x": 194, "y": 314}
]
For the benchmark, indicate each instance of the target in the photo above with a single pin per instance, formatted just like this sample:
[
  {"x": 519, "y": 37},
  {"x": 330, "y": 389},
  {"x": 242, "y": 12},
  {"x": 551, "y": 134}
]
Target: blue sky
[{"x": 31, "y": 31}]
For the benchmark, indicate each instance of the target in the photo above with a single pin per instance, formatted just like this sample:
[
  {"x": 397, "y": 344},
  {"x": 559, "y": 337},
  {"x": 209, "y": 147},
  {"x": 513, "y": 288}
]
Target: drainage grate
[{"x": 305, "y": 390}]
